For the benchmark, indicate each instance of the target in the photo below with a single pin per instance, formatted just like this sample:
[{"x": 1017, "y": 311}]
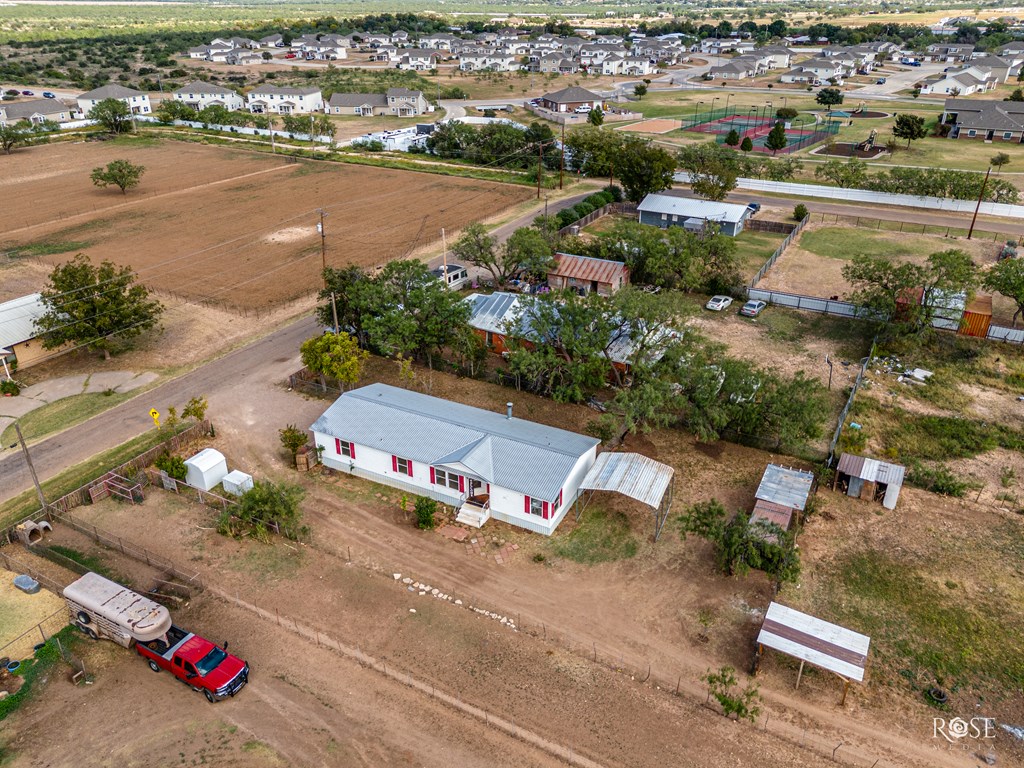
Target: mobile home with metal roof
[{"x": 484, "y": 463}]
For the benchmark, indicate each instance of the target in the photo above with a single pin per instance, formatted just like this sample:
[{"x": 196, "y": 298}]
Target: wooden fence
[
  {"x": 793, "y": 234},
  {"x": 209, "y": 498},
  {"x": 593, "y": 216},
  {"x": 765, "y": 225},
  {"x": 849, "y": 403}
]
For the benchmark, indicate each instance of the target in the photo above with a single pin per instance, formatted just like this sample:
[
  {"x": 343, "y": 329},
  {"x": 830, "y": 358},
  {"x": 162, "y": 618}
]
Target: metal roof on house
[
  {"x": 492, "y": 312},
  {"x": 785, "y": 486},
  {"x": 771, "y": 512},
  {"x": 872, "y": 470},
  {"x": 630, "y": 474},
  {"x": 111, "y": 92},
  {"x": 690, "y": 208},
  {"x": 519, "y": 455},
  {"x": 18, "y": 317},
  {"x": 588, "y": 268},
  {"x": 815, "y": 641},
  {"x": 199, "y": 86},
  {"x": 987, "y": 114}
]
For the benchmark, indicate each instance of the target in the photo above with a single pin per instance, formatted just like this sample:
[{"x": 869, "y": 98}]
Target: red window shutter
[
  {"x": 394, "y": 463},
  {"x": 546, "y": 508},
  {"x": 337, "y": 445},
  {"x": 409, "y": 465},
  {"x": 462, "y": 484},
  {"x": 488, "y": 489},
  {"x": 559, "y": 497},
  {"x": 431, "y": 475},
  {"x": 352, "y": 447},
  {"x": 526, "y": 505}
]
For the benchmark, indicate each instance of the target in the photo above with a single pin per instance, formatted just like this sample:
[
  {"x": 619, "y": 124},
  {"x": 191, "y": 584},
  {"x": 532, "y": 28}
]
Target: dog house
[
  {"x": 869, "y": 479},
  {"x": 206, "y": 469}
]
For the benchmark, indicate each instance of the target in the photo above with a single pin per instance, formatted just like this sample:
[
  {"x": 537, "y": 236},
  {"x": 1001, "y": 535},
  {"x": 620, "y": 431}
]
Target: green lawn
[
  {"x": 600, "y": 537},
  {"x": 754, "y": 248},
  {"x": 845, "y": 243},
  {"x": 62, "y": 414}
]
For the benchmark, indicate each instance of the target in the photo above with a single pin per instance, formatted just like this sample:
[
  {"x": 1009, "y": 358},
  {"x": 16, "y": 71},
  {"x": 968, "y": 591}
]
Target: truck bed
[{"x": 175, "y": 637}]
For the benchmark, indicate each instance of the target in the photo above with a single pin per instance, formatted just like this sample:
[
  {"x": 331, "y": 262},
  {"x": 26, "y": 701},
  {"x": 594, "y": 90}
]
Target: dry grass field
[{"x": 226, "y": 226}]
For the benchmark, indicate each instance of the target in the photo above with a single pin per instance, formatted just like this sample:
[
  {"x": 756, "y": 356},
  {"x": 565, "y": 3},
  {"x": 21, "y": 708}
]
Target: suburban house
[
  {"x": 272, "y": 41},
  {"x": 200, "y": 95},
  {"x": 485, "y": 464},
  {"x": 556, "y": 62},
  {"x": 284, "y": 101},
  {"x": 406, "y": 103},
  {"x": 630, "y": 66},
  {"x": 1000, "y": 69},
  {"x": 823, "y": 69},
  {"x": 961, "y": 82},
  {"x": 985, "y": 119},
  {"x": 663, "y": 211},
  {"x": 418, "y": 61},
  {"x": 35, "y": 111},
  {"x": 776, "y": 56},
  {"x": 363, "y": 104},
  {"x": 950, "y": 51},
  {"x": 587, "y": 275},
  {"x": 441, "y": 42},
  {"x": 571, "y": 98},
  {"x": 737, "y": 69},
  {"x": 137, "y": 101},
  {"x": 491, "y": 61},
  {"x": 781, "y": 495},
  {"x": 19, "y": 343}
]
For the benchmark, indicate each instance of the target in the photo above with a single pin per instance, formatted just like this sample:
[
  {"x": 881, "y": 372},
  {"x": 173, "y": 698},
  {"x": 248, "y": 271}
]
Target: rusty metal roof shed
[
  {"x": 815, "y": 641},
  {"x": 864, "y": 470},
  {"x": 772, "y": 513},
  {"x": 587, "y": 268},
  {"x": 784, "y": 486}
]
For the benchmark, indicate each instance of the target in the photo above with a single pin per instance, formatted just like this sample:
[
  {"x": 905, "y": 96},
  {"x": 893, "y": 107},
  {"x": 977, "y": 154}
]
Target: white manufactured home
[{"x": 484, "y": 463}]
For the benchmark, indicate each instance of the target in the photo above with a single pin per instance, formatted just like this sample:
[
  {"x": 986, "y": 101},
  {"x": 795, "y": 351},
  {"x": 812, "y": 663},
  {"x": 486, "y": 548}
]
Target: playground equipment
[
  {"x": 868, "y": 145},
  {"x": 860, "y": 108}
]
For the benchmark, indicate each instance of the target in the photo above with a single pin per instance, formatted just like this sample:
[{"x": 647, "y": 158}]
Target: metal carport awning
[{"x": 639, "y": 477}]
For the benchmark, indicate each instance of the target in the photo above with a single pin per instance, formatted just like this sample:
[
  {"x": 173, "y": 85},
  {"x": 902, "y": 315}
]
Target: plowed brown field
[{"x": 227, "y": 226}]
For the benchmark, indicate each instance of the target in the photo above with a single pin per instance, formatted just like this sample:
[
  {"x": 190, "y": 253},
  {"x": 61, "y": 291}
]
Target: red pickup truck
[{"x": 197, "y": 662}]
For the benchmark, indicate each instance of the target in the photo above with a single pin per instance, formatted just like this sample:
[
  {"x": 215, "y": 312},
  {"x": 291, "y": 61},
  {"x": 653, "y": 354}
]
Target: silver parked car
[{"x": 753, "y": 308}]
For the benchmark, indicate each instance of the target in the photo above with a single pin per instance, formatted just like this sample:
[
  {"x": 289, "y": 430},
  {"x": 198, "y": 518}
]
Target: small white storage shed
[
  {"x": 206, "y": 469},
  {"x": 236, "y": 482}
]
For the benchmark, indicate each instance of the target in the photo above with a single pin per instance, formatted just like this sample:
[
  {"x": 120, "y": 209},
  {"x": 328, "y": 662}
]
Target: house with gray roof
[
  {"x": 19, "y": 340},
  {"x": 667, "y": 210},
  {"x": 200, "y": 95},
  {"x": 985, "y": 119},
  {"x": 284, "y": 101},
  {"x": 571, "y": 98},
  {"x": 137, "y": 101},
  {"x": 35, "y": 111},
  {"x": 484, "y": 463},
  {"x": 363, "y": 104}
]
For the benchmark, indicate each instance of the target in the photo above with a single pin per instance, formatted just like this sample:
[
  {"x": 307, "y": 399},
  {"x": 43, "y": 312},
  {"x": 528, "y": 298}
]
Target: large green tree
[
  {"x": 99, "y": 308},
  {"x": 909, "y": 127},
  {"x": 1007, "y": 277},
  {"x": 644, "y": 168},
  {"x": 122, "y": 174},
  {"x": 172, "y": 109},
  {"x": 334, "y": 356},
  {"x": 527, "y": 250},
  {"x": 113, "y": 115},
  {"x": 713, "y": 169},
  {"x": 776, "y": 138},
  {"x": 592, "y": 150},
  {"x": 829, "y": 97},
  {"x": 12, "y": 136},
  {"x": 852, "y": 173}
]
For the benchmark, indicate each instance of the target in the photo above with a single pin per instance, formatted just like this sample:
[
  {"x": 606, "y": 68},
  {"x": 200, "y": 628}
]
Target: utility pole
[
  {"x": 540, "y": 165},
  {"x": 323, "y": 243},
  {"x": 981, "y": 195},
  {"x": 31, "y": 469},
  {"x": 334, "y": 310},
  {"x": 561, "y": 165}
]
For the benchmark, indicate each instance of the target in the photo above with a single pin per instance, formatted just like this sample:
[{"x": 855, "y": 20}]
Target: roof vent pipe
[{"x": 508, "y": 410}]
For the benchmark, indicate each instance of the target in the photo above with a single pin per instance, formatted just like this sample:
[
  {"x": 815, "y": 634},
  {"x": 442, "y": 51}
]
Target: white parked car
[
  {"x": 718, "y": 303},
  {"x": 583, "y": 109}
]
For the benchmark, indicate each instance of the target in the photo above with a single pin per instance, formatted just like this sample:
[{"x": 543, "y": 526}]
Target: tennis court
[{"x": 757, "y": 128}]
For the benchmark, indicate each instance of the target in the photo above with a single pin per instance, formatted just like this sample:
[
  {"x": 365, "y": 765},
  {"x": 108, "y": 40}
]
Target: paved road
[{"x": 271, "y": 358}]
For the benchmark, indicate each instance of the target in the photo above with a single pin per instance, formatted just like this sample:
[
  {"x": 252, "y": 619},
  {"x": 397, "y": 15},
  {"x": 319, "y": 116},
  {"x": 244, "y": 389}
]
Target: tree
[
  {"x": 1017, "y": 95},
  {"x": 292, "y": 439},
  {"x": 848, "y": 174},
  {"x": 113, "y": 114},
  {"x": 11, "y": 136},
  {"x": 640, "y": 90},
  {"x": 593, "y": 151},
  {"x": 800, "y": 212},
  {"x": 776, "y": 139},
  {"x": 723, "y": 686},
  {"x": 644, "y": 169},
  {"x": 596, "y": 117},
  {"x": 732, "y": 138},
  {"x": 172, "y": 109},
  {"x": 336, "y": 356},
  {"x": 478, "y": 248},
  {"x": 829, "y": 97},
  {"x": 713, "y": 169},
  {"x": 1007, "y": 277},
  {"x": 909, "y": 127},
  {"x": 425, "y": 509},
  {"x": 95, "y": 307},
  {"x": 786, "y": 113},
  {"x": 747, "y": 144},
  {"x": 999, "y": 160},
  {"x": 195, "y": 408},
  {"x": 122, "y": 174}
]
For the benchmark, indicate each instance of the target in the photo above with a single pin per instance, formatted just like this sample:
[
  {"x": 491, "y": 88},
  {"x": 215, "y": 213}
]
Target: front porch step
[{"x": 473, "y": 516}]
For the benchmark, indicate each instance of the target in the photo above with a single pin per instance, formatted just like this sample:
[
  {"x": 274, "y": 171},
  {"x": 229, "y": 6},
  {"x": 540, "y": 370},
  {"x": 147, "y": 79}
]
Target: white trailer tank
[{"x": 103, "y": 608}]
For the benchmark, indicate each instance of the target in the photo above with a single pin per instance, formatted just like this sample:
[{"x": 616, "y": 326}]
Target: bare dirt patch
[
  {"x": 657, "y": 125},
  {"x": 239, "y": 243}
]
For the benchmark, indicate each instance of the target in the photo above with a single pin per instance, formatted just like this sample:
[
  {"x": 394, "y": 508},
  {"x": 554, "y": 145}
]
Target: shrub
[
  {"x": 786, "y": 113},
  {"x": 267, "y": 505},
  {"x": 9, "y": 387},
  {"x": 292, "y": 438},
  {"x": 937, "y": 480},
  {"x": 425, "y": 509},
  {"x": 723, "y": 685},
  {"x": 174, "y": 466},
  {"x": 566, "y": 216},
  {"x": 583, "y": 209},
  {"x": 615, "y": 191},
  {"x": 800, "y": 212}
]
